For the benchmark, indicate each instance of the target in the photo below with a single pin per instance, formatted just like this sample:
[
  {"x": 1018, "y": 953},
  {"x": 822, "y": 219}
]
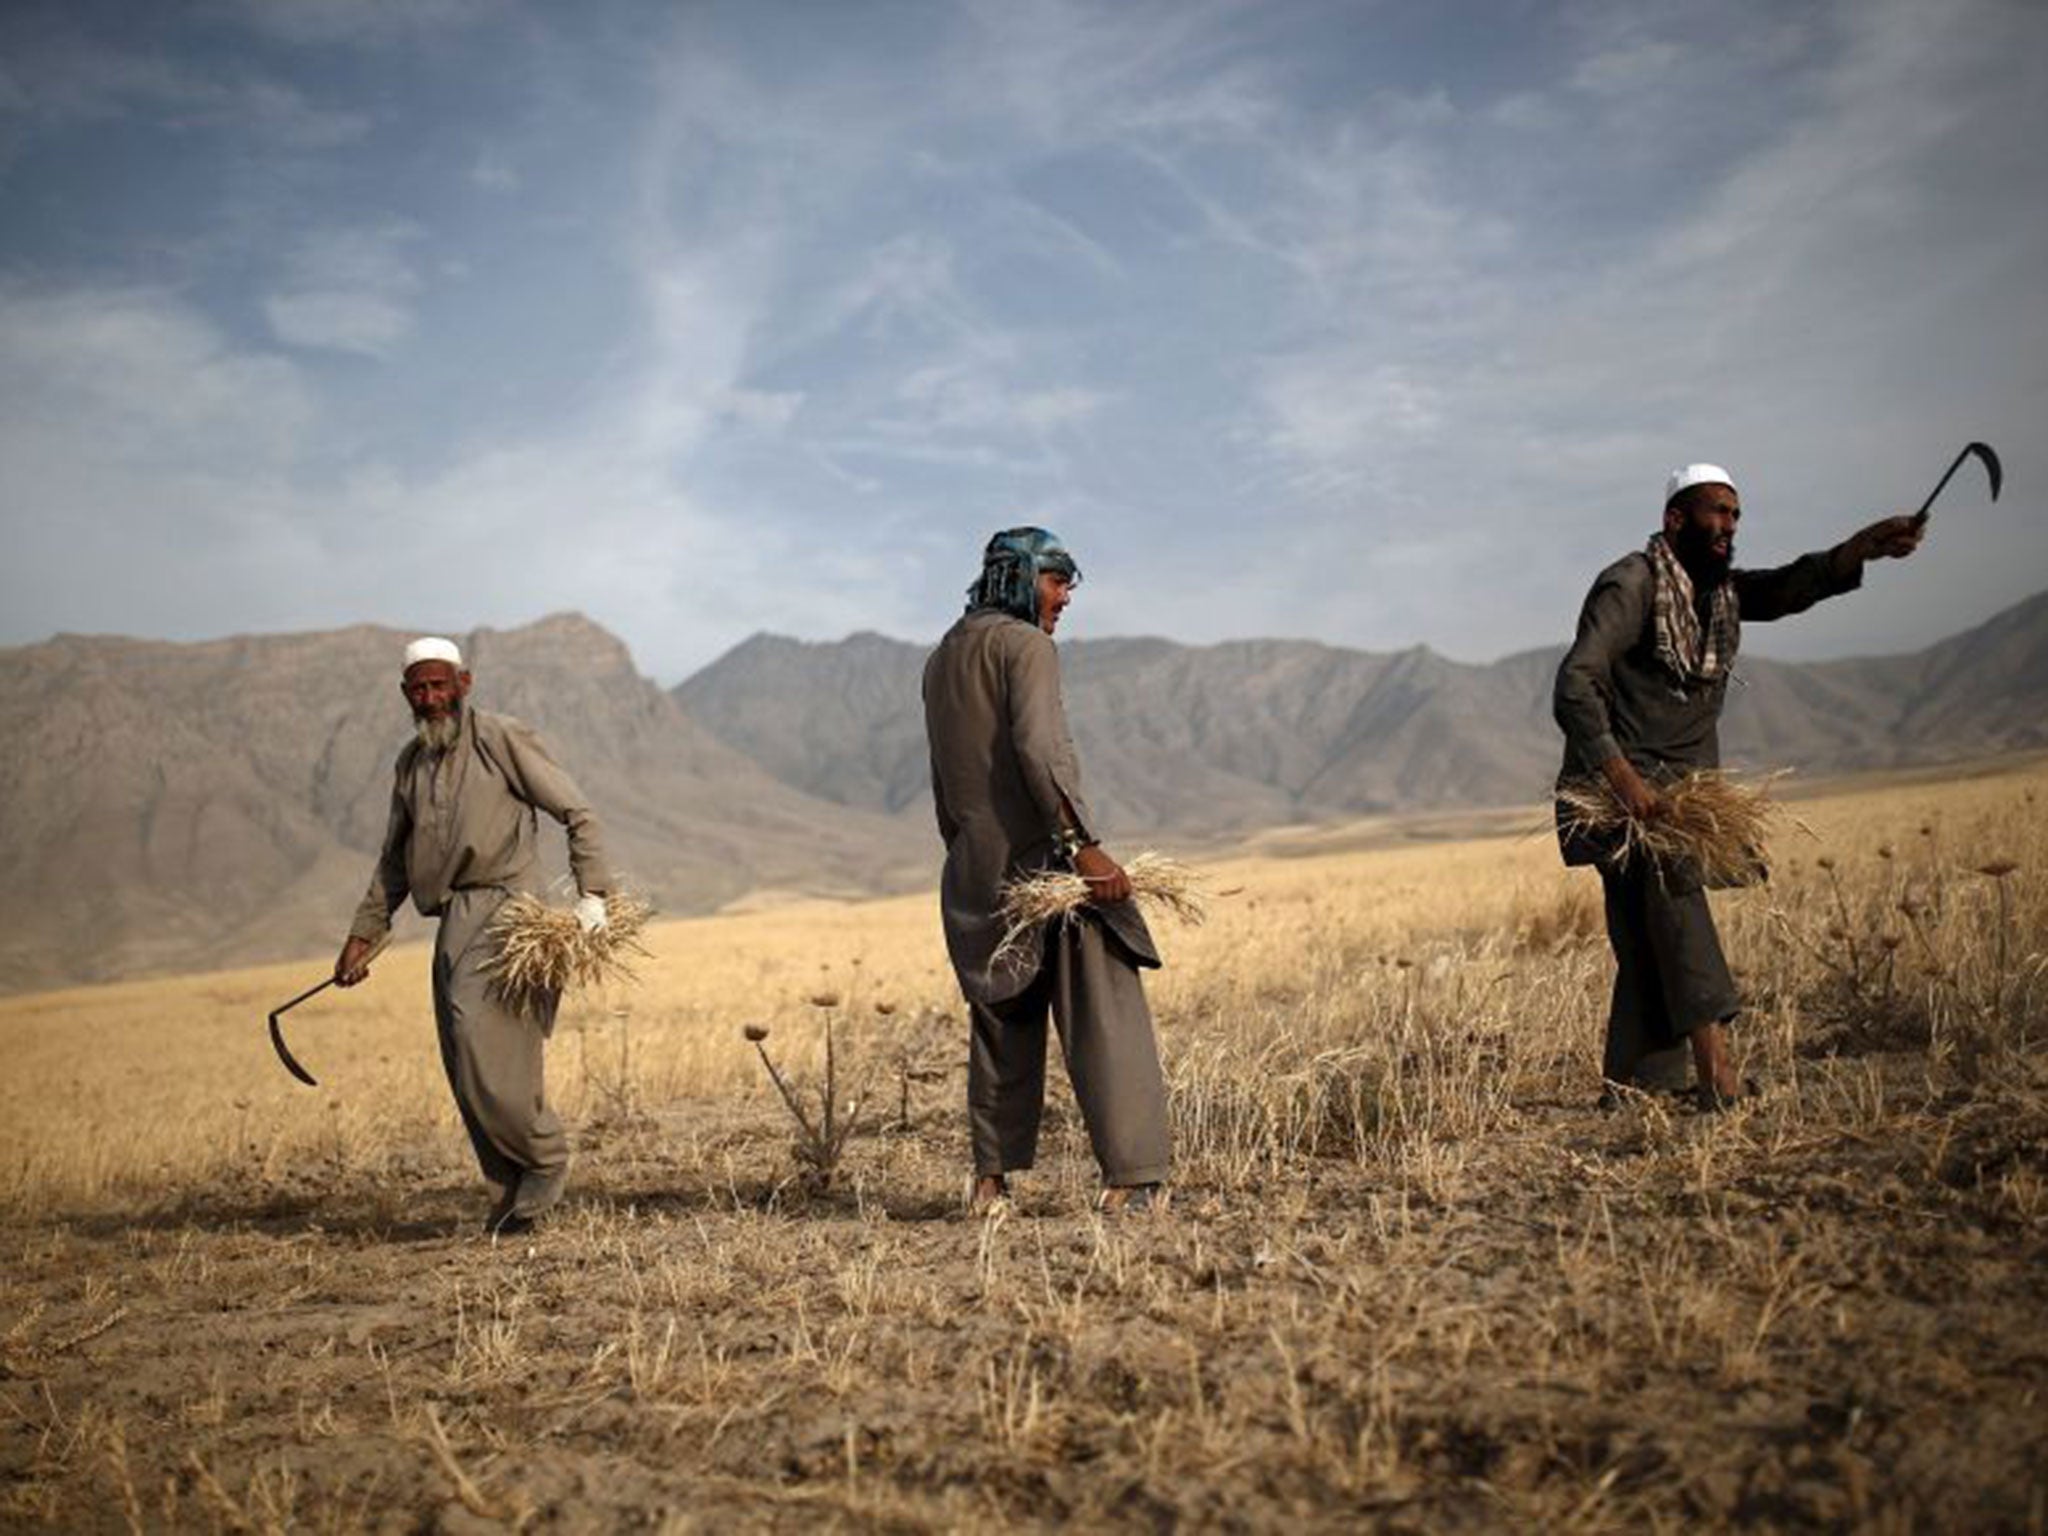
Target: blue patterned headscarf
[{"x": 1011, "y": 566}]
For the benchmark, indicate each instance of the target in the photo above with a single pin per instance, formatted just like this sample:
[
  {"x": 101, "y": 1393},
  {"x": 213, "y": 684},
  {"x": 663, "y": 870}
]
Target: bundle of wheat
[
  {"x": 540, "y": 948},
  {"x": 1161, "y": 883},
  {"x": 1718, "y": 822}
]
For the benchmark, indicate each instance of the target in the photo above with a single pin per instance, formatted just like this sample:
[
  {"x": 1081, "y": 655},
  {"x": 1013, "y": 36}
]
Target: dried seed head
[
  {"x": 885, "y": 1009},
  {"x": 824, "y": 999},
  {"x": 1404, "y": 963},
  {"x": 1927, "y": 829},
  {"x": 756, "y": 1032},
  {"x": 1997, "y": 869},
  {"x": 1826, "y": 861},
  {"x": 1837, "y": 931},
  {"x": 1910, "y": 905},
  {"x": 1889, "y": 941},
  {"x": 1884, "y": 850}
]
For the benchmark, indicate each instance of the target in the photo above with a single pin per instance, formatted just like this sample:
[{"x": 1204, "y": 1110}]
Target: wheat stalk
[
  {"x": 1715, "y": 820},
  {"x": 1158, "y": 882},
  {"x": 544, "y": 949}
]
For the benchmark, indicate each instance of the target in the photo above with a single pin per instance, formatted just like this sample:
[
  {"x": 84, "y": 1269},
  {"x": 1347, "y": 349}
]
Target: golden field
[{"x": 1413, "y": 1277}]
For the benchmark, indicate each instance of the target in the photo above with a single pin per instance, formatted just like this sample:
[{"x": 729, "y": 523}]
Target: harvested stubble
[
  {"x": 544, "y": 949},
  {"x": 1714, "y": 820},
  {"x": 1161, "y": 883}
]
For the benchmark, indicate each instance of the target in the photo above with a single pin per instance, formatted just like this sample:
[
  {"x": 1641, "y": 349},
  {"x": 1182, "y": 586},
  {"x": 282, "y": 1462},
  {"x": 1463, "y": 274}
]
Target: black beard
[
  {"x": 437, "y": 736},
  {"x": 1696, "y": 553}
]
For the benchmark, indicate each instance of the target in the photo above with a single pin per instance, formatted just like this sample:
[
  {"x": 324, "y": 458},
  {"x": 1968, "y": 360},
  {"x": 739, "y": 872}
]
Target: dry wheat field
[{"x": 1413, "y": 1279}]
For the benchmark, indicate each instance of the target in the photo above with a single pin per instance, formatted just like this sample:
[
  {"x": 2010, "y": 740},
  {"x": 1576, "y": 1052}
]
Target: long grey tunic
[
  {"x": 460, "y": 840},
  {"x": 1614, "y": 697},
  {"x": 1002, "y": 761},
  {"x": 465, "y": 820}
]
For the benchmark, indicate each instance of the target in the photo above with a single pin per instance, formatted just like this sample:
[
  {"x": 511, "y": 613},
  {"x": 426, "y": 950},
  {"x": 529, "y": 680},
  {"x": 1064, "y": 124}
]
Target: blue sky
[{"x": 1370, "y": 323}]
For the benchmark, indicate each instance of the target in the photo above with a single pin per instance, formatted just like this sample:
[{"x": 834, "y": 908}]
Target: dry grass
[
  {"x": 1413, "y": 1278},
  {"x": 543, "y": 949},
  {"x": 1158, "y": 883},
  {"x": 1717, "y": 822}
]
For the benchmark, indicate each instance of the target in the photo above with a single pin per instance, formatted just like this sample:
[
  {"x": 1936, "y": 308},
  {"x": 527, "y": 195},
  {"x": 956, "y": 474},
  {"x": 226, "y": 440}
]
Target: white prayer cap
[
  {"x": 1696, "y": 474},
  {"x": 432, "y": 648}
]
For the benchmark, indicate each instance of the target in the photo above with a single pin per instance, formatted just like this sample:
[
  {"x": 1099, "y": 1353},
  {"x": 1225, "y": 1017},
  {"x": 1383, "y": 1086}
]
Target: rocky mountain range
[
  {"x": 1215, "y": 739},
  {"x": 180, "y": 806}
]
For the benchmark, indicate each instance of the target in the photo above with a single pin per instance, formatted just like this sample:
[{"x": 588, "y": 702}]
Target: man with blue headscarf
[{"x": 1007, "y": 788}]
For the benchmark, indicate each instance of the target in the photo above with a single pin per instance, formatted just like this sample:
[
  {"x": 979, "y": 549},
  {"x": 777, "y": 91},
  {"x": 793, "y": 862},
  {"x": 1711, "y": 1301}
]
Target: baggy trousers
[
  {"x": 493, "y": 1052},
  {"x": 1097, "y": 1003},
  {"x": 1670, "y": 975}
]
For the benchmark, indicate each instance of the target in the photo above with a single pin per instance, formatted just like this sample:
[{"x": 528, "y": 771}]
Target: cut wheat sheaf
[
  {"x": 1714, "y": 820},
  {"x": 540, "y": 948},
  {"x": 1158, "y": 883}
]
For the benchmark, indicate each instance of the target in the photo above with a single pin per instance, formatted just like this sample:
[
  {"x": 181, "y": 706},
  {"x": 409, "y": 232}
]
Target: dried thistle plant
[
  {"x": 821, "y": 1139},
  {"x": 1717, "y": 821},
  {"x": 542, "y": 949},
  {"x": 1158, "y": 882}
]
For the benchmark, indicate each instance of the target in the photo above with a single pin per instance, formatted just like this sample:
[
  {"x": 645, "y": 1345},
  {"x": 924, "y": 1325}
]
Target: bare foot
[{"x": 1710, "y": 1063}]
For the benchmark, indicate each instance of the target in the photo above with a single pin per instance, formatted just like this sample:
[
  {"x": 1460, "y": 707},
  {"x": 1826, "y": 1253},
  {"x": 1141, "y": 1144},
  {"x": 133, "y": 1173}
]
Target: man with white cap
[
  {"x": 1639, "y": 697},
  {"x": 460, "y": 840}
]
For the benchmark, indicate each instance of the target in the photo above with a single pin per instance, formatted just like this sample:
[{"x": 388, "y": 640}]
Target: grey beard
[{"x": 437, "y": 736}]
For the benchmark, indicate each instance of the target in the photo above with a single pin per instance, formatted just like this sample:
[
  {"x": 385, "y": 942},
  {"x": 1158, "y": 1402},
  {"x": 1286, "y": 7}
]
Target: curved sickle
[
  {"x": 1993, "y": 471},
  {"x": 291, "y": 1062}
]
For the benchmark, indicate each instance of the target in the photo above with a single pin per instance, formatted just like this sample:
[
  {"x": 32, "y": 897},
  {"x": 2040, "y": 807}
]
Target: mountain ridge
[
  {"x": 180, "y": 805},
  {"x": 1237, "y": 734}
]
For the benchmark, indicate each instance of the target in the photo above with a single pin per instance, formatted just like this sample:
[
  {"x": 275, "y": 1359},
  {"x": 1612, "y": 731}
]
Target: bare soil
[{"x": 1600, "y": 1319}]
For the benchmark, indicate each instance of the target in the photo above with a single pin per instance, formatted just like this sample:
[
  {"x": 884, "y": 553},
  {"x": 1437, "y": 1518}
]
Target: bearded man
[
  {"x": 1007, "y": 788},
  {"x": 1639, "y": 697},
  {"x": 460, "y": 840}
]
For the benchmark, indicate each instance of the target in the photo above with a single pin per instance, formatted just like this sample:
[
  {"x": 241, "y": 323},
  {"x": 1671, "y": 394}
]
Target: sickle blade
[
  {"x": 1993, "y": 470},
  {"x": 291, "y": 1064}
]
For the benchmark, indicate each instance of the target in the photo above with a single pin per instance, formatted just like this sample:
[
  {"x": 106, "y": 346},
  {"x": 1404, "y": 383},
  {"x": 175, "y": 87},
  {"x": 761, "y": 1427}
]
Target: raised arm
[{"x": 1788, "y": 589}]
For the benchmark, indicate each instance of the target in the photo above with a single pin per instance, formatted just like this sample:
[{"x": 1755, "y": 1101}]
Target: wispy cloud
[
  {"x": 55, "y": 78},
  {"x": 349, "y": 290},
  {"x": 1310, "y": 318}
]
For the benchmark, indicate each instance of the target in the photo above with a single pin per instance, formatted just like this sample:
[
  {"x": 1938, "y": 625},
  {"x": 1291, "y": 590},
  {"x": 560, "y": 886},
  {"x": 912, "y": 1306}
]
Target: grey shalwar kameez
[
  {"x": 1616, "y": 697},
  {"x": 1006, "y": 785},
  {"x": 460, "y": 840}
]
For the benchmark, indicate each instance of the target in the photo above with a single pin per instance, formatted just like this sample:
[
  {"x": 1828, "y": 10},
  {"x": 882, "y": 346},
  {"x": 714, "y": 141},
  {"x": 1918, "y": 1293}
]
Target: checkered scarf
[{"x": 1692, "y": 655}]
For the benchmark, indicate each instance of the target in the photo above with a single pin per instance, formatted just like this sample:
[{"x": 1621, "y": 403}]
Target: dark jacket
[{"x": 1615, "y": 697}]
